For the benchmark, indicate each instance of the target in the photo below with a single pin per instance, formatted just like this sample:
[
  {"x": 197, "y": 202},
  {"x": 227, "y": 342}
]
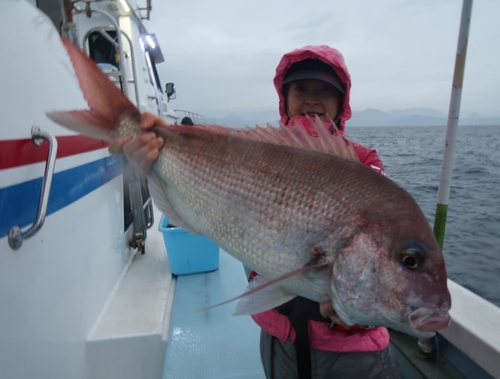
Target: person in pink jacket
[{"x": 297, "y": 341}]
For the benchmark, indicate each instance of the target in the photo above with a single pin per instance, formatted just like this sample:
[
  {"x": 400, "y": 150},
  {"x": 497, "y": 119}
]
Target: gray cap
[{"x": 313, "y": 69}]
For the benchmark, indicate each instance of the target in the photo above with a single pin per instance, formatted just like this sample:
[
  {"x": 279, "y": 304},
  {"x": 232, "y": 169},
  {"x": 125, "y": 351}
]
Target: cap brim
[{"x": 316, "y": 75}]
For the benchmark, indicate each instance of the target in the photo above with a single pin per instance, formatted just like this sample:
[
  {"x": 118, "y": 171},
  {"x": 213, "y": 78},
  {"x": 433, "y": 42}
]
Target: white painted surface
[
  {"x": 130, "y": 339},
  {"x": 55, "y": 290},
  {"x": 475, "y": 328}
]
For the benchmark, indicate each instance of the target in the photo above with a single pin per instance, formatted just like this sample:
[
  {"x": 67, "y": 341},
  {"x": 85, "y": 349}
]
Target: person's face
[{"x": 310, "y": 97}]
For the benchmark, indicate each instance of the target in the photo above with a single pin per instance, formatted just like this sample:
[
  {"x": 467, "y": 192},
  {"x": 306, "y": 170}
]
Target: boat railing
[{"x": 196, "y": 117}]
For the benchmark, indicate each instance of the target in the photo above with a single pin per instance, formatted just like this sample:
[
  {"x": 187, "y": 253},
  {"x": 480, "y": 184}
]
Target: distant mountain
[
  {"x": 366, "y": 117},
  {"x": 416, "y": 112},
  {"x": 413, "y": 117},
  {"x": 474, "y": 115},
  {"x": 370, "y": 117},
  {"x": 243, "y": 119}
]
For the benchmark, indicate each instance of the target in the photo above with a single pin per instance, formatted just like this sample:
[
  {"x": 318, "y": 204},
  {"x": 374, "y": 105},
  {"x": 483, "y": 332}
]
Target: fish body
[{"x": 299, "y": 210}]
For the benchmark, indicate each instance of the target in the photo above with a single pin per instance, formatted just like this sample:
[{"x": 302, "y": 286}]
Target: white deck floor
[{"x": 212, "y": 344}]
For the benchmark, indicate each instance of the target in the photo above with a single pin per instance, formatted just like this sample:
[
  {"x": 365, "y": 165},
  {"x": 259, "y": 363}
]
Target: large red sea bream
[{"x": 299, "y": 210}]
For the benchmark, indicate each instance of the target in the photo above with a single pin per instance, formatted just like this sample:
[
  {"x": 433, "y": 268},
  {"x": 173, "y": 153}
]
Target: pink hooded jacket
[
  {"x": 333, "y": 58},
  {"x": 271, "y": 321}
]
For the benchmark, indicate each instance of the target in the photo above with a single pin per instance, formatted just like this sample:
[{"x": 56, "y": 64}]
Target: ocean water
[{"x": 412, "y": 157}]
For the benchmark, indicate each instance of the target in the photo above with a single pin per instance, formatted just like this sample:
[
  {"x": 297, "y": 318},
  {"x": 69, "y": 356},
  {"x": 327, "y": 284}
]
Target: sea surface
[{"x": 412, "y": 157}]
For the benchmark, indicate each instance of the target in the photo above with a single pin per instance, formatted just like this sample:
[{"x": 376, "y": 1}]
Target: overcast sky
[{"x": 222, "y": 54}]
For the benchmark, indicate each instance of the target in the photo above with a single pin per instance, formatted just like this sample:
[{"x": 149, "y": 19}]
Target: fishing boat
[{"x": 86, "y": 287}]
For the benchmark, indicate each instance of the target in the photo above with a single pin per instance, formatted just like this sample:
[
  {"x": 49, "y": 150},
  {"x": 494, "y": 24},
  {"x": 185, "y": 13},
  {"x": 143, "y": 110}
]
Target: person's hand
[
  {"x": 326, "y": 310},
  {"x": 143, "y": 149}
]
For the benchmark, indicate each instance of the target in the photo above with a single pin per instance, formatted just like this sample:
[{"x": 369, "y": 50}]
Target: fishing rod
[
  {"x": 426, "y": 345},
  {"x": 452, "y": 126}
]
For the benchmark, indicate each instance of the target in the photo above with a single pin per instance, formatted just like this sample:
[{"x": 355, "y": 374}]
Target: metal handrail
[
  {"x": 16, "y": 235},
  {"x": 88, "y": 11},
  {"x": 148, "y": 212},
  {"x": 121, "y": 72}
]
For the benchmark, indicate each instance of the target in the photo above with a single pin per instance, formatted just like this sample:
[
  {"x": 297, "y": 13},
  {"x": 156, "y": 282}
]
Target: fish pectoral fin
[
  {"x": 261, "y": 296},
  {"x": 273, "y": 294}
]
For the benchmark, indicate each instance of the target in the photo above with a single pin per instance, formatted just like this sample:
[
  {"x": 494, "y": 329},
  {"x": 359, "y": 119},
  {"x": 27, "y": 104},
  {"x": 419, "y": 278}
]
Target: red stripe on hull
[{"x": 15, "y": 153}]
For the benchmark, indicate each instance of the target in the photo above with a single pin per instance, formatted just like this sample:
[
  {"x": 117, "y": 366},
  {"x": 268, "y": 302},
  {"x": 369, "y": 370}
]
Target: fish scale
[{"x": 266, "y": 243}]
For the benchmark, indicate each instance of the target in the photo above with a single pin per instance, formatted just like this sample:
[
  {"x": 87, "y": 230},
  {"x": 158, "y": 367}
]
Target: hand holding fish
[{"x": 143, "y": 149}]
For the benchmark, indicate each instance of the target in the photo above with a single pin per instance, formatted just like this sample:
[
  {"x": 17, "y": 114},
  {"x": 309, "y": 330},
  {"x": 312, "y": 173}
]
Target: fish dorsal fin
[
  {"x": 296, "y": 135},
  {"x": 291, "y": 135},
  {"x": 267, "y": 294}
]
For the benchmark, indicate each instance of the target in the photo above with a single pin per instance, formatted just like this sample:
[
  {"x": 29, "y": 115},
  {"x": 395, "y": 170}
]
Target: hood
[{"x": 326, "y": 54}]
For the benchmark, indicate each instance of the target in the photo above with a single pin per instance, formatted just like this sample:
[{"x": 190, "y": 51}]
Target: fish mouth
[{"x": 427, "y": 320}]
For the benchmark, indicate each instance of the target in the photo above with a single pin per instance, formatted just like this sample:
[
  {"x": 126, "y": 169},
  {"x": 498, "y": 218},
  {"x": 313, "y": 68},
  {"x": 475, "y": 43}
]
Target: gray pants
[{"x": 280, "y": 363}]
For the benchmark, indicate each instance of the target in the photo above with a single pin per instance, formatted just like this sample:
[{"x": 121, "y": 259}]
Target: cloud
[{"x": 222, "y": 54}]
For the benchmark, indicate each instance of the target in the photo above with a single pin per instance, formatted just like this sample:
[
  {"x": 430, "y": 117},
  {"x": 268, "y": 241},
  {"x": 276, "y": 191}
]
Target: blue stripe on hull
[{"x": 19, "y": 203}]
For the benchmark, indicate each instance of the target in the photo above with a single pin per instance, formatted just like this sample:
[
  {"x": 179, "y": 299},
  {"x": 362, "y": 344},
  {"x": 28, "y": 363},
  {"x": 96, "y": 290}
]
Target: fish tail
[{"x": 108, "y": 106}]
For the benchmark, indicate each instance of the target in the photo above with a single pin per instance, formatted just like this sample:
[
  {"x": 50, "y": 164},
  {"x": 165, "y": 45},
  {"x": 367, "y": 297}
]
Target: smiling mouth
[{"x": 312, "y": 114}]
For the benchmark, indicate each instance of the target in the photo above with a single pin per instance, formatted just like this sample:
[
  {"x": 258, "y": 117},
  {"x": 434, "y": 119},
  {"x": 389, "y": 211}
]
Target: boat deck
[{"x": 212, "y": 344}]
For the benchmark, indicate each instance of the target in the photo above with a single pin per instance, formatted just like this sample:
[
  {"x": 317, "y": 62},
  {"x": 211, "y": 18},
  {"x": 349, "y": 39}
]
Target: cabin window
[{"x": 102, "y": 47}]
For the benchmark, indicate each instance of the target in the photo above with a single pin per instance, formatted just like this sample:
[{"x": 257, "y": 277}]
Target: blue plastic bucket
[{"x": 188, "y": 253}]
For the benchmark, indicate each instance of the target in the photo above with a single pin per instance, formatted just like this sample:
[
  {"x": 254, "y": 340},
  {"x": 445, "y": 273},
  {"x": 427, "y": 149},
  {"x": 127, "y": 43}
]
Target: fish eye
[{"x": 412, "y": 258}]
